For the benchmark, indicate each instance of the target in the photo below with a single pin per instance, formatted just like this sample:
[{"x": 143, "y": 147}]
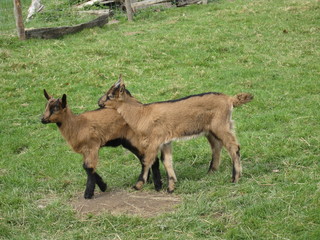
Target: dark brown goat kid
[
  {"x": 157, "y": 124},
  {"x": 86, "y": 133}
]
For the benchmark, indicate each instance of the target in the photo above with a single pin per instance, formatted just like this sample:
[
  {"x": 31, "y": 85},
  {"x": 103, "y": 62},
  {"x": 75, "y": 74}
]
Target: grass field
[{"x": 268, "y": 48}]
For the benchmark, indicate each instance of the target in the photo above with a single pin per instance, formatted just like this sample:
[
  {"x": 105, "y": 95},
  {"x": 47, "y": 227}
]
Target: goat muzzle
[
  {"x": 101, "y": 105},
  {"x": 44, "y": 121}
]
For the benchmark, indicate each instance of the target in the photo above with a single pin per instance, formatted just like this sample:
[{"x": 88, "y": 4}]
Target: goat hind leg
[
  {"x": 230, "y": 142},
  {"x": 101, "y": 184},
  {"x": 237, "y": 168}
]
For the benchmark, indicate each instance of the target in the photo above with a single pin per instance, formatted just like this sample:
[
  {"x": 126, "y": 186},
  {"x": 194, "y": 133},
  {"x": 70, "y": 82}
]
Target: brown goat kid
[
  {"x": 86, "y": 133},
  {"x": 157, "y": 124}
]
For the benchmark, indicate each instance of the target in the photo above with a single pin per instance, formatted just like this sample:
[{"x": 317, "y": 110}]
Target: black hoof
[
  {"x": 158, "y": 186},
  {"x": 88, "y": 195},
  {"x": 103, "y": 187}
]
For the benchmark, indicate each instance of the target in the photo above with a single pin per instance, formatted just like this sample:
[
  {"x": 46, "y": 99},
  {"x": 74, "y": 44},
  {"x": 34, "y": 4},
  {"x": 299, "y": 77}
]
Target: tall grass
[{"x": 267, "y": 48}]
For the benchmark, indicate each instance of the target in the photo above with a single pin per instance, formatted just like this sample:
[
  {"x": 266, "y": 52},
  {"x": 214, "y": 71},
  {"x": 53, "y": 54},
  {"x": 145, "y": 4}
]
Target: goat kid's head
[
  {"x": 116, "y": 94},
  {"x": 54, "y": 109}
]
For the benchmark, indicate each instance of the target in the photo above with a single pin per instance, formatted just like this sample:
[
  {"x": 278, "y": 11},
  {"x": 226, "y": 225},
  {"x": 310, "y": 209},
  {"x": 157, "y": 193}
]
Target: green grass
[{"x": 268, "y": 48}]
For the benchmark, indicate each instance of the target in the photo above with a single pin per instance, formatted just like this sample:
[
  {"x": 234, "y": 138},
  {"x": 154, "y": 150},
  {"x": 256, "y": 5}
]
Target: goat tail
[{"x": 241, "y": 98}]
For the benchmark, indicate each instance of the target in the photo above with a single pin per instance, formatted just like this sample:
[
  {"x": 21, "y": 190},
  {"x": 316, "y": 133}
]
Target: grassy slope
[{"x": 227, "y": 46}]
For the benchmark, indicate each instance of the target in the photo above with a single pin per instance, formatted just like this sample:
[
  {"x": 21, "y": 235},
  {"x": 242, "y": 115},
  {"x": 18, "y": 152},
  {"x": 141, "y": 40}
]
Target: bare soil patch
[{"x": 143, "y": 204}]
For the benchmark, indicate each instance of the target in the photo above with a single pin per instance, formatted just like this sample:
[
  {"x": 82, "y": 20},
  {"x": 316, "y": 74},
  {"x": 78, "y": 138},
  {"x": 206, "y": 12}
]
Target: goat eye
[{"x": 54, "y": 109}]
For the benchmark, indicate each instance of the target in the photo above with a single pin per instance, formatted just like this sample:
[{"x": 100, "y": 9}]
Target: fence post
[
  {"x": 129, "y": 10},
  {"x": 19, "y": 19}
]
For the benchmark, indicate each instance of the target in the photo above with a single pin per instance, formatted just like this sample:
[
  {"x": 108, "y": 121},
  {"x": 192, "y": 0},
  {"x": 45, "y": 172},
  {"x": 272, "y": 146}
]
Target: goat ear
[
  {"x": 121, "y": 80},
  {"x": 64, "y": 101},
  {"x": 118, "y": 83},
  {"x": 122, "y": 88},
  {"x": 46, "y": 94}
]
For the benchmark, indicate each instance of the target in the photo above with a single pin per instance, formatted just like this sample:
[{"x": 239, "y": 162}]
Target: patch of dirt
[{"x": 143, "y": 204}]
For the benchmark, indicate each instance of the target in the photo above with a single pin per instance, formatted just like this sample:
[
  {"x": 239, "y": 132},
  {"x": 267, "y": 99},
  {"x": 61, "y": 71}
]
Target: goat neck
[
  {"x": 68, "y": 125},
  {"x": 131, "y": 110}
]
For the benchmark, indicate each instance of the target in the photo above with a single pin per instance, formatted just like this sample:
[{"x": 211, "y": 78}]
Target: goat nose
[
  {"x": 44, "y": 121},
  {"x": 101, "y": 105}
]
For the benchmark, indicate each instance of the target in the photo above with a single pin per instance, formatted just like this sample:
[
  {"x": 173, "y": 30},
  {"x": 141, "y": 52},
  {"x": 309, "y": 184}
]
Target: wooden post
[
  {"x": 205, "y": 2},
  {"x": 129, "y": 10},
  {"x": 19, "y": 19}
]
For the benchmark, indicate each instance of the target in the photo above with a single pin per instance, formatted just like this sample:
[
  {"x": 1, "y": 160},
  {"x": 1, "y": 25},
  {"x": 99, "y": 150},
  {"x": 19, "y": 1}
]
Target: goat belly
[{"x": 188, "y": 136}]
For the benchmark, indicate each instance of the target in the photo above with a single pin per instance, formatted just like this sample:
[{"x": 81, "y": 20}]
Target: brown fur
[
  {"x": 87, "y": 130},
  {"x": 157, "y": 124},
  {"x": 86, "y": 133}
]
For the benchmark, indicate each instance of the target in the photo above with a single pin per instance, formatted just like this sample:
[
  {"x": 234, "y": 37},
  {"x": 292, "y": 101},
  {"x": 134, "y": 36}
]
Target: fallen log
[
  {"x": 90, "y": 3},
  {"x": 98, "y": 2},
  {"x": 182, "y": 3},
  {"x": 147, "y": 3},
  {"x": 164, "y": 5},
  {"x": 96, "y": 12},
  {"x": 57, "y": 32}
]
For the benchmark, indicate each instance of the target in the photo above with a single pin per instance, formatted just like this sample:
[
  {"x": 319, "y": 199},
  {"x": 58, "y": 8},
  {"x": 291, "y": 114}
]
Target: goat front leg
[
  {"x": 146, "y": 165},
  {"x": 149, "y": 179},
  {"x": 156, "y": 173},
  {"x": 91, "y": 182},
  {"x": 93, "y": 178},
  {"x": 166, "y": 157}
]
